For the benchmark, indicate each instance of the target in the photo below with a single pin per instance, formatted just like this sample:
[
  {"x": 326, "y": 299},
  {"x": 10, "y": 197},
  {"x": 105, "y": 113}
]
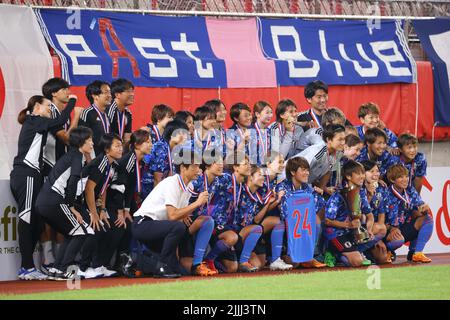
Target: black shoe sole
[{"x": 167, "y": 276}]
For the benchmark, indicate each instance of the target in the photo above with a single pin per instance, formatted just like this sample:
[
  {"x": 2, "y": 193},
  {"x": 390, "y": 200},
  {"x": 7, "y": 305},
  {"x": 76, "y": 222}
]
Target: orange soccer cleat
[
  {"x": 420, "y": 257},
  {"x": 202, "y": 270},
  {"x": 313, "y": 264},
  {"x": 211, "y": 266}
]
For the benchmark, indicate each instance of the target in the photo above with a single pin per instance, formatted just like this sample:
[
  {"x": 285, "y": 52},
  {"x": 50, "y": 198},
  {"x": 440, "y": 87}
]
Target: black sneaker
[
  {"x": 127, "y": 266},
  {"x": 45, "y": 268},
  {"x": 163, "y": 271},
  {"x": 57, "y": 275},
  {"x": 409, "y": 256}
]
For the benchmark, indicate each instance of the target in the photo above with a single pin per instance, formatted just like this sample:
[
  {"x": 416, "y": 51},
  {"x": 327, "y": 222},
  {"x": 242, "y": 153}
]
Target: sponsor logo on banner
[{"x": 9, "y": 237}]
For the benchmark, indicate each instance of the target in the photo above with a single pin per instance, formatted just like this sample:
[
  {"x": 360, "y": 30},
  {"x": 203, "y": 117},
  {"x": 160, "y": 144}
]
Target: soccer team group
[{"x": 204, "y": 200}]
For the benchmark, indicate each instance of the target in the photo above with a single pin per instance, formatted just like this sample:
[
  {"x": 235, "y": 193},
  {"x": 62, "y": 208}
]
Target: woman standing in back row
[{"x": 26, "y": 177}]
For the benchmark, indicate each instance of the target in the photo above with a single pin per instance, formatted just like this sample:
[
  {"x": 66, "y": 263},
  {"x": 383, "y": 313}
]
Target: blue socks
[
  {"x": 277, "y": 241},
  {"x": 345, "y": 261},
  {"x": 368, "y": 245},
  {"x": 203, "y": 236},
  {"x": 317, "y": 250},
  {"x": 220, "y": 247},
  {"x": 424, "y": 233},
  {"x": 250, "y": 243},
  {"x": 394, "y": 244}
]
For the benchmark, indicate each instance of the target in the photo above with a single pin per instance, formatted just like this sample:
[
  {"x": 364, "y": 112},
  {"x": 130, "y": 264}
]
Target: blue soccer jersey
[
  {"x": 401, "y": 205},
  {"x": 288, "y": 187},
  {"x": 391, "y": 137},
  {"x": 416, "y": 168},
  {"x": 155, "y": 135},
  {"x": 378, "y": 202},
  {"x": 300, "y": 220},
  {"x": 226, "y": 193},
  {"x": 211, "y": 141},
  {"x": 260, "y": 144},
  {"x": 384, "y": 162},
  {"x": 198, "y": 186},
  {"x": 157, "y": 161},
  {"x": 249, "y": 206},
  {"x": 237, "y": 135},
  {"x": 337, "y": 209}
]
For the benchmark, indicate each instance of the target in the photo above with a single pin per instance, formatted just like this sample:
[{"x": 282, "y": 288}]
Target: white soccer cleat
[
  {"x": 91, "y": 273},
  {"x": 106, "y": 272},
  {"x": 33, "y": 274},
  {"x": 279, "y": 264}
]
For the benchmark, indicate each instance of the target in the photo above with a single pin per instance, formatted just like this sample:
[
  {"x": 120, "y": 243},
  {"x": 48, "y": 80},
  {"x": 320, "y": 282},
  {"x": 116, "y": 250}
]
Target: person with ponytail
[{"x": 26, "y": 178}]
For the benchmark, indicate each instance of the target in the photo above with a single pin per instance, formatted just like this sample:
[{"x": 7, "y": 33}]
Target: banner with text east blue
[{"x": 199, "y": 52}]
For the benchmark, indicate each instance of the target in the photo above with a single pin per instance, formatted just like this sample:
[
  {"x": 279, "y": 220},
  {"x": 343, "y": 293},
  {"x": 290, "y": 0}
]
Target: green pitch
[{"x": 421, "y": 282}]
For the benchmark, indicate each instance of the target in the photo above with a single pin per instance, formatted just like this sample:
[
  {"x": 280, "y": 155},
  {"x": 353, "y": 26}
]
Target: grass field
[{"x": 424, "y": 282}]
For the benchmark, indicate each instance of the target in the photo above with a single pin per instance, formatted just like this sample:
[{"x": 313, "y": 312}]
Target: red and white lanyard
[
  {"x": 241, "y": 133},
  {"x": 200, "y": 140},
  {"x": 169, "y": 156},
  {"x": 236, "y": 193},
  {"x": 256, "y": 197},
  {"x": 105, "y": 122},
  {"x": 281, "y": 129},
  {"x": 206, "y": 188},
  {"x": 269, "y": 191},
  {"x": 222, "y": 135},
  {"x": 264, "y": 143},
  {"x": 156, "y": 131},
  {"x": 121, "y": 122},
  {"x": 205, "y": 182},
  {"x": 138, "y": 175},
  {"x": 184, "y": 187},
  {"x": 331, "y": 159},
  {"x": 315, "y": 119},
  {"x": 108, "y": 177},
  {"x": 411, "y": 171},
  {"x": 405, "y": 199}
]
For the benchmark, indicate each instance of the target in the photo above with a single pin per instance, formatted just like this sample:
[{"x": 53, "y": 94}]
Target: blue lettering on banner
[
  {"x": 154, "y": 51},
  {"x": 337, "y": 52},
  {"x": 168, "y": 52}
]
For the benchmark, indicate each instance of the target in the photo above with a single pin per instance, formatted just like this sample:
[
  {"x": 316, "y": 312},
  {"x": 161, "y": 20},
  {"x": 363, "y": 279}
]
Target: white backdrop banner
[{"x": 25, "y": 64}]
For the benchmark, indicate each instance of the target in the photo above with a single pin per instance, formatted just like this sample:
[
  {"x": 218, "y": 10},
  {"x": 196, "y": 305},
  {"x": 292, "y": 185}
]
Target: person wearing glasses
[{"x": 94, "y": 117}]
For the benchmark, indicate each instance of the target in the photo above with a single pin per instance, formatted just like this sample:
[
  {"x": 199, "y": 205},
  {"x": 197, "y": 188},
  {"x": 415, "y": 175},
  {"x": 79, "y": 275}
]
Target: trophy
[{"x": 353, "y": 198}]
